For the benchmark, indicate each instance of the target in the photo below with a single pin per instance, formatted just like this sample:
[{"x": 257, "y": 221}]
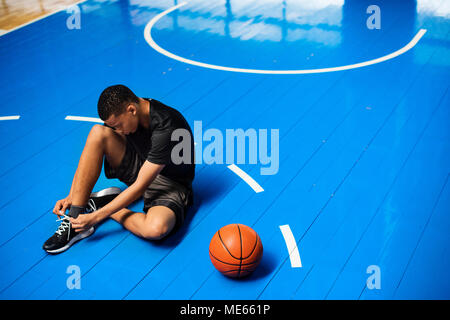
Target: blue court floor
[{"x": 361, "y": 103}]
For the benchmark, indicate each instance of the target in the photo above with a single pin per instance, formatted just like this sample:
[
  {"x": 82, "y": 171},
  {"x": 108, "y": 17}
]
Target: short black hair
[{"x": 113, "y": 101}]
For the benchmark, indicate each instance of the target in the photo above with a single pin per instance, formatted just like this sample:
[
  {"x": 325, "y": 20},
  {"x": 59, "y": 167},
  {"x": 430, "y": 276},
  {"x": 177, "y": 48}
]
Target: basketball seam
[
  {"x": 218, "y": 232},
  {"x": 248, "y": 272},
  {"x": 240, "y": 259},
  {"x": 232, "y": 264},
  {"x": 256, "y": 243}
]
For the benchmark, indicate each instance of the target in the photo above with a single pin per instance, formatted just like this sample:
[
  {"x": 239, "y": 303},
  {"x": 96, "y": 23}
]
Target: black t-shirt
[{"x": 155, "y": 145}]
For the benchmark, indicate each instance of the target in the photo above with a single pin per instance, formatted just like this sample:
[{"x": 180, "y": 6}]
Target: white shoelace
[
  {"x": 65, "y": 224},
  {"x": 91, "y": 207},
  {"x": 65, "y": 220}
]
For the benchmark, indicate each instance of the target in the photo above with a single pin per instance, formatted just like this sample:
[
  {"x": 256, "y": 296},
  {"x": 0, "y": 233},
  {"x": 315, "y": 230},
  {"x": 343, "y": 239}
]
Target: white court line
[
  {"x": 244, "y": 176},
  {"x": 152, "y": 43},
  {"x": 10, "y": 118},
  {"x": 291, "y": 245},
  {"x": 87, "y": 119},
  {"x": 58, "y": 9}
]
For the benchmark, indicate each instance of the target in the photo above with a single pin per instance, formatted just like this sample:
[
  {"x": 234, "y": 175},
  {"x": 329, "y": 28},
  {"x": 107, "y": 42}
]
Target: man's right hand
[{"x": 61, "y": 206}]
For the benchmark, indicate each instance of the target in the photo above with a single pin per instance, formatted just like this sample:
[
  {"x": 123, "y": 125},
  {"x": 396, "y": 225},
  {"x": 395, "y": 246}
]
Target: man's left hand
[{"x": 84, "y": 222}]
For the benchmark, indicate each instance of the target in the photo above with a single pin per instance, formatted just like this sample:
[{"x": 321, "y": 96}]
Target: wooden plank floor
[
  {"x": 363, "y": 175},
  {"x": 18, "y": 13}
]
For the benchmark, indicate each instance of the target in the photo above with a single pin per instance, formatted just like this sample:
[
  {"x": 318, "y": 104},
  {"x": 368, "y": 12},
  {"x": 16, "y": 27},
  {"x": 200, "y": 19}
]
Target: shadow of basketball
[{"x": 207, "y": 188}]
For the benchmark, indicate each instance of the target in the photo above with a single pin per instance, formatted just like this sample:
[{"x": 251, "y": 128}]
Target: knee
[
  {"x": 100, "y": 135},
  {"x": 97, "y": 133},
  {"x": 155, "y": 231}
]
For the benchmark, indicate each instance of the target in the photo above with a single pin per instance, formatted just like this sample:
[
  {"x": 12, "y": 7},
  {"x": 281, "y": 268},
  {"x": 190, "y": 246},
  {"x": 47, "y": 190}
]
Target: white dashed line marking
[
  {"x": 291, "y": 245},
  {"x": 244, "y": 176},
  {"x": 87, "y": 119},
  {"x": 10, "y": 118}
]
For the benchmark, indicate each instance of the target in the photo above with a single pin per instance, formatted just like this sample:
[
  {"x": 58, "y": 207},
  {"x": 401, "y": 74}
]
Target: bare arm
[{"x": 147, "y": 174}]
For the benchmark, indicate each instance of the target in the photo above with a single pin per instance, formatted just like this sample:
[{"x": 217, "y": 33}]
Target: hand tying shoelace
[{"x": 65, "y": 224}]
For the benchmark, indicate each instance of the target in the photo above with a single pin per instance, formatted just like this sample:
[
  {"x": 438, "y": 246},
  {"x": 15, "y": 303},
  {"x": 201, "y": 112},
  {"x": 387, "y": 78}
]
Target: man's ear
[{"x": 132, "y": 108}]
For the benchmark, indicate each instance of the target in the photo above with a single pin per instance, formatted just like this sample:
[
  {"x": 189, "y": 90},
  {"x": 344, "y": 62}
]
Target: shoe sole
[
  {"x": 78, "y": 237},
  {"x": 106, "y": 192}
]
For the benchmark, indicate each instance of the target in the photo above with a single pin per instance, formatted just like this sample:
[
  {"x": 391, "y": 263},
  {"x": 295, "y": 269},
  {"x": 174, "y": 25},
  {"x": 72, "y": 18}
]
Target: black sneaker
[
  {"x": 65, "y": 236},
  {"x": 101, "y": 198}
]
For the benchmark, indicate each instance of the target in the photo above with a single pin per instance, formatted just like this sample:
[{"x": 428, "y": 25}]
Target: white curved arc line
[
  {"x": 154, "y": 45},
  {"x": 244, "y": 176},
  {"x": 87, "y": 119},
  {"x": 10, "y": 118},
  {"x": 291, "y": 245}
]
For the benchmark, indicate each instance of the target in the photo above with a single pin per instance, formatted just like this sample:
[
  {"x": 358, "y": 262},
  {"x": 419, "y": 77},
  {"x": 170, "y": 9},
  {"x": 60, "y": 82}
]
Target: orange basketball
[{"x": 235, "y": 250}]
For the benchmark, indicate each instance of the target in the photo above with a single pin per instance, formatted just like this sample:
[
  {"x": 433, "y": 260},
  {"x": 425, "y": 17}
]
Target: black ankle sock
[{"x": 74, "y": 211}]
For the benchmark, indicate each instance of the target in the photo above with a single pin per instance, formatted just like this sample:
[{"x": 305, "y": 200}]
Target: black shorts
[{"x": 161, "y": 192}]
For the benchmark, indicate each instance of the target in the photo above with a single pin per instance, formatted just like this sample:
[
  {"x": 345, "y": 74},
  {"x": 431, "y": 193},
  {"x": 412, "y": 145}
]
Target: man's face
[{"x": 125, "y": 123}]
